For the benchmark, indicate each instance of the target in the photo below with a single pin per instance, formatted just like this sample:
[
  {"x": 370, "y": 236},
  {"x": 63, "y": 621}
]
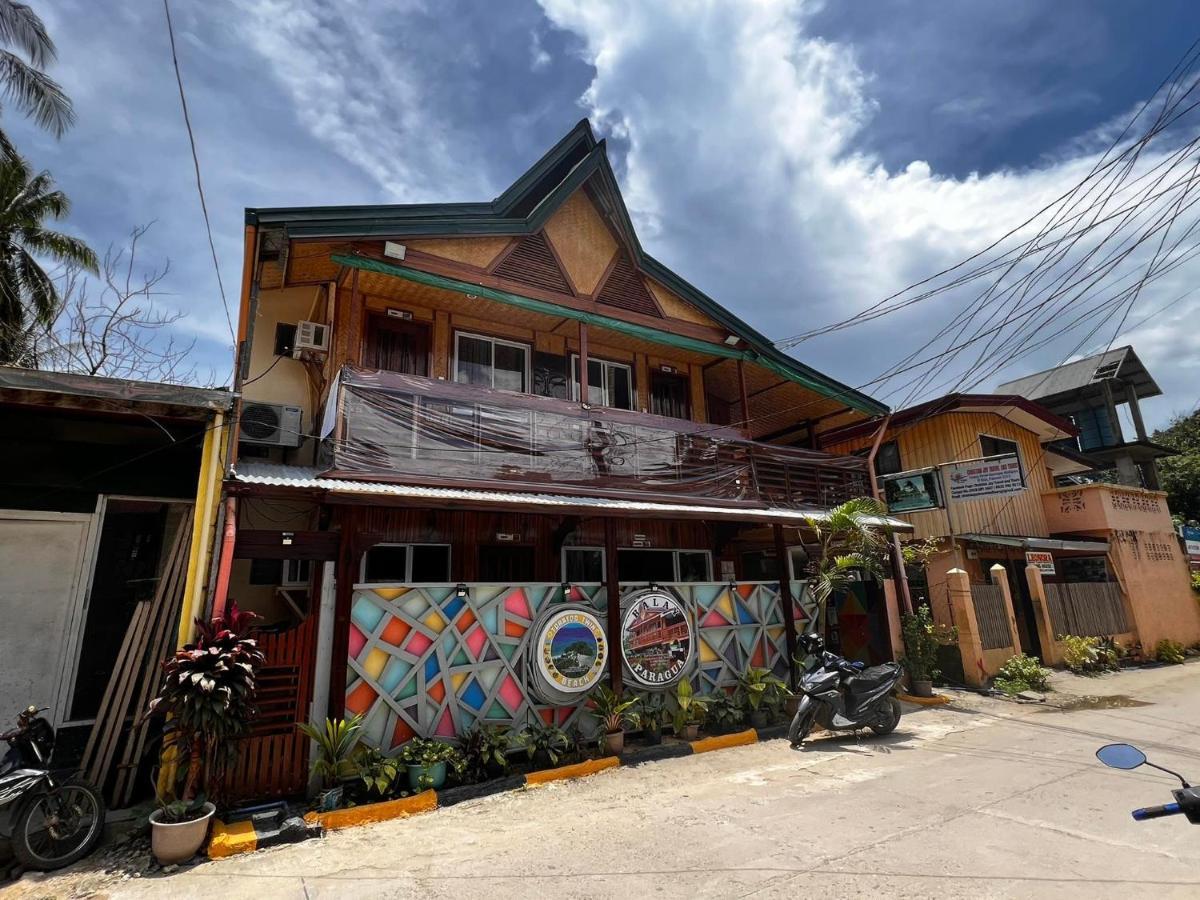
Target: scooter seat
[{"x": 872, "y": 678}]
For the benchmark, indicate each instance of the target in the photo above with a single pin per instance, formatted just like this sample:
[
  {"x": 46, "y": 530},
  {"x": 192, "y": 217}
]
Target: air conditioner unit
[
  {"x": 311, "y": 336},
  {"x": 270, "y": 424},
  {"x": 295, "y": 573}
]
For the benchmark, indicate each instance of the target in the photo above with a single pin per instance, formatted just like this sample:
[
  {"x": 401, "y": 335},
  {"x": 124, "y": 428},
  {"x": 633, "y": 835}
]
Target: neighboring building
[
  {"x": 99, "y": 476},
  {"x": 1090, "y": 392},
  {"x": 976, "y": 473},
  {"x": 415, "y": 462}
]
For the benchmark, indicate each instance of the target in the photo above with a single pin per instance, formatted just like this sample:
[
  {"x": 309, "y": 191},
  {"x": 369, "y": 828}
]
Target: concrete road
[{"x": 981, "y": 799}]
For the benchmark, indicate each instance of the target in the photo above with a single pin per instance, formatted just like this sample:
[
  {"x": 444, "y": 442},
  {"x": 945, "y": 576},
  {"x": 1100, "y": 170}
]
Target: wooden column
[
  {"x": 614, "y": 603},
  {"x": 1111, "y": 406},
  {"x": 785, "y": 597},
  {"x": 345, "y": 574},
  {"x": 583, "y": 362},
  {"x": 741, "y": 372}
]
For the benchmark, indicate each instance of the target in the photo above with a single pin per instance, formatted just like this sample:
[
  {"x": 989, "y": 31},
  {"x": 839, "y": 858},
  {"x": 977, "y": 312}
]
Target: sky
[{"x": 797, "y": 161}]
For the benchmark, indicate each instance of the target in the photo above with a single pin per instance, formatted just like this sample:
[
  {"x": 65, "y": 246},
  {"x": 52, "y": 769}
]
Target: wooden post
[
  {"x": 583, "y": 362},
  {"x": 1111, "y": 406},
  {"x": 346, "y": 574},
  {"x": 1135, "y": 411},
  {"x": 785, "y": 597},
  {"x": 1041, "y": 614},
  {"x": 741, "y": 371},
  {"x": 999, "y": 576},
  {"x": 614, "y": 604}
]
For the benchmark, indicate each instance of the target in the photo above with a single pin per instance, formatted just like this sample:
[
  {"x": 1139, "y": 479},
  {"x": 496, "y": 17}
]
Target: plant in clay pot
[
  {"x": 429, "y": 762},
  {"x": 922, "y": 638},
  {"x": 757, "y": 690},
  {"x": 690, "y": 711},
  {"x": 208, "y": 692},
  {"x": 613, "y": 714}
]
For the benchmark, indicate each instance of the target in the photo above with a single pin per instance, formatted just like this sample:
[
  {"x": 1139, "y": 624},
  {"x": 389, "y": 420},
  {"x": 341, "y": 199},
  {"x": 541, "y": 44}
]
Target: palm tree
[
  {"x": 850, "y": 540},
  {"x": 28, "y": 295},
  {"x": 24, "y": 83}
]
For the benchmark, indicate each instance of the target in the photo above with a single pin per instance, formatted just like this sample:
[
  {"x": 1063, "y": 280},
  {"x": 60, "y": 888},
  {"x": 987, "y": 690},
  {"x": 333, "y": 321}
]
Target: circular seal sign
[
  {"x": 656, "y": 638},
  {"x": 570, "y": 651}
]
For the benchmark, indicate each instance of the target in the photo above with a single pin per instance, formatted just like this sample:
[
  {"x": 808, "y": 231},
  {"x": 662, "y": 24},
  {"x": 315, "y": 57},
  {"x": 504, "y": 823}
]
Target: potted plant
[
  {"x": 690, "y": 711},
  {"x": 334, "y": 762},
  {"x": 922, "y": 638},
  {"x": 208, "y": 691},
  {"x": 377, "y": 774},
  {"x": 545, "y": 744},
  {"x": 724, "y": 714},
  {"x": 429, "y": 761},
  {"x": 485, "y": 752},
  {"x": 757, "y": 689},
  {"x": 613, "y": 714},
  {"x": 650, "y": 717}
]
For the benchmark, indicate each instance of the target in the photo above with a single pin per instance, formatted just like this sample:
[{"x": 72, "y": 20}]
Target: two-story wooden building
[{"x": 467, "y": 430}]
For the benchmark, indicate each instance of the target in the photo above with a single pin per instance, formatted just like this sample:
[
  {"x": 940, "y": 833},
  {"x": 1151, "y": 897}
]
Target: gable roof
[
  {"x": 1049, "y": 385},
  {"x": 524, "y": 208}
]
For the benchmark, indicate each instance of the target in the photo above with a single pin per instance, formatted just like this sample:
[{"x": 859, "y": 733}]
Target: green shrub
[
  {"x": 1088, "y": 655},
  {"x": 1196, "y": 581},
  {"x": 922, "y": 638},
  {"x": 1169, "y": 651},
  {"x": 1022, "y": 673}
]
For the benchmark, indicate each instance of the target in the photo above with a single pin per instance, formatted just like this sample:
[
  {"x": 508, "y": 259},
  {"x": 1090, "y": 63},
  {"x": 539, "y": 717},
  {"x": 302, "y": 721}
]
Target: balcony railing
[{"x": 392, "y": 427}]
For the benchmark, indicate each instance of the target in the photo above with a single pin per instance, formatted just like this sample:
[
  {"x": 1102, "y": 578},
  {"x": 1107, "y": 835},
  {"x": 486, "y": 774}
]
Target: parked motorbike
[
  {"x": 54, "y": 820},
  {"x": 843, "y": 696},
  {"x": 1187, "y": 798}
]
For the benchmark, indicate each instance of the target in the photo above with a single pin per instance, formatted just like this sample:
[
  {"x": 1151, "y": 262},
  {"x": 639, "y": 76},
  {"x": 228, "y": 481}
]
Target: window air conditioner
[
  {"x": 270, "y": 424},
  {"x": 311, "y": 336}
]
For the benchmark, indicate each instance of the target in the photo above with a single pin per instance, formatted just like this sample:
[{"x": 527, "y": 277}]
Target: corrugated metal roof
[
  {"x": 300, "y": 477},
  {"x": 123, "y": 389},
  {"x": 1121, "y": 363}
]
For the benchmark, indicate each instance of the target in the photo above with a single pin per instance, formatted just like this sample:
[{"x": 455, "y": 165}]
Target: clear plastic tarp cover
[{"x": 391, "y": 426}]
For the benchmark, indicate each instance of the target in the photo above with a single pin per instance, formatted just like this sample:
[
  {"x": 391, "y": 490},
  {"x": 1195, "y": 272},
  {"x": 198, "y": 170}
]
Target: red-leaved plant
[{"x": 208, "y": 690}]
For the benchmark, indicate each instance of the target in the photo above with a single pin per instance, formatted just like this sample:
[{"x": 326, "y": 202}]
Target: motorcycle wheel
[
  {"x": 59, "y": 827},
  {"x": 889, "y": 718},
  {"x": 800, "y": 727}
]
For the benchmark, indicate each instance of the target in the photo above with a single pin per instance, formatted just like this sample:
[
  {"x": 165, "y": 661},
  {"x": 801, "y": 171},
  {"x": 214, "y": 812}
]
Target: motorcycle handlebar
[{"x": 1156, "y": 812}]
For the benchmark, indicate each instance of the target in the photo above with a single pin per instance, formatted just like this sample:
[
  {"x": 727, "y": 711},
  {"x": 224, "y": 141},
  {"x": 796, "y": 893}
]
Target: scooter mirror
[{"x": 1121, "y": 756}]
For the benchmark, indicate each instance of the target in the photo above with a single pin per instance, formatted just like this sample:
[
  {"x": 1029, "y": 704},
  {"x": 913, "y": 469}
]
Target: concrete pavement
[{"x": 980, "y": 799}]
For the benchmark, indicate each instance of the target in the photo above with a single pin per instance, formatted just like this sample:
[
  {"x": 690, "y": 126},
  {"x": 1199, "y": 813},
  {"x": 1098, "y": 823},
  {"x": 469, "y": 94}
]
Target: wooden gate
[
  {"x": 272, "y": 761},
  {"x": 992, "y": 615},
  {"x": 1086, "y": 609}
]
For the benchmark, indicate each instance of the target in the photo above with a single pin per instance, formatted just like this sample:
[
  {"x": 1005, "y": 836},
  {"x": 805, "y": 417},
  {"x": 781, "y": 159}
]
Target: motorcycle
[
  {"x": 1187, "y": 798},
  {"x": 55, "y": 820},
  {"x": 840, "y": 695}
]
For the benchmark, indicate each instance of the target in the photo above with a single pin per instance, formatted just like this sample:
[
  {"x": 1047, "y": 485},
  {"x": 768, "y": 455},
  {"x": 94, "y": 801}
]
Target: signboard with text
[
  {"x": 1040, "y": 558},
  {"x": 995, "y": 476},
  {"x": 1191, "y": 538}
]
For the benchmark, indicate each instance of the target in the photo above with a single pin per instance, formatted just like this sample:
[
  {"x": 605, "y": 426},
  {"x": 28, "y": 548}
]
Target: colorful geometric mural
[{"x": 425, "y": 661}]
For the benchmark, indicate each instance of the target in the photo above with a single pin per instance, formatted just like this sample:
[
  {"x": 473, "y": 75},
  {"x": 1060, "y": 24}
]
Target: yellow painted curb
[
  {"x": 230, "y": 840},
  {"x": 935, "y": 700},
  {"x": 375, "y": 812},
  {"x": 721, "y": 741},
  {"x": 579, "y": 770}
]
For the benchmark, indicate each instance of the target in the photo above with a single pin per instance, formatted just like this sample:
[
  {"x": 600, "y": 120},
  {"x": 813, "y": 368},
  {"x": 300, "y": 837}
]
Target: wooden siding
[
  {"x": 955, "y": 436},
  {"x": 583, "y": 241},
  {"x": 478, "y": 251}
]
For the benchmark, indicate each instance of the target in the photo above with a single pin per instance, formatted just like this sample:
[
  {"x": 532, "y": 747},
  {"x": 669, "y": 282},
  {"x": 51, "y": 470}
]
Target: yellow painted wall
[{"x": 286, "y": 382}]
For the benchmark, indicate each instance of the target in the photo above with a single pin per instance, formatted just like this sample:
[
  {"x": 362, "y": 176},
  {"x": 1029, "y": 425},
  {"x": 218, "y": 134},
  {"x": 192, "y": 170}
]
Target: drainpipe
[{"x": 221, "y": 593}]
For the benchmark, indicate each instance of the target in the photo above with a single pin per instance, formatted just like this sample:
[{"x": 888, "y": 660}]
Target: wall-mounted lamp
[
  {"x": 287, "y": 537},
  {"x": 461, "y": 590},
  {"x": 566, "y": 589},
  {"x": 472, "y": 296},
  {"x": 732, "y": 340}
]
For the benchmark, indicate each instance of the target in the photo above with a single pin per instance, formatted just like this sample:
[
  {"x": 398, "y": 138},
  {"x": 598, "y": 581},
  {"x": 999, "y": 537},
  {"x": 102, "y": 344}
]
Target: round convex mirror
[{"x": 1121, "y": 756}]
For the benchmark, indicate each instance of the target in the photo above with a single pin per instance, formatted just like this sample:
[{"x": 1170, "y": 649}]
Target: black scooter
[
  {"x": 842, "y": 696},
  {"x": 1187, "y": 798},
  {"x": 54, "y": 821}
]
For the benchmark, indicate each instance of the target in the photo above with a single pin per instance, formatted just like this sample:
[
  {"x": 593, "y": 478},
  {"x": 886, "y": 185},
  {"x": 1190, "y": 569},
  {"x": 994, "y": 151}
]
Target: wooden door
[{"x": 395, "y": 345}]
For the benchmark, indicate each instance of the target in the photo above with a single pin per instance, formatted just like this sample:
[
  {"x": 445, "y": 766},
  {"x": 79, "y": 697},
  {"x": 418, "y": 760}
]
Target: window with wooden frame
[
  {"x": 644, "y": 566},
  {"x": 994, "y": 446},
  {"x": 491, "y": 362},
  {"x": 395, "y": 345},
  {"x": 583, "y": 565},
  {"x": 670, "y": 395},
  {"x": 406, "y": 564},
  {"x": 609, "y": 383}
]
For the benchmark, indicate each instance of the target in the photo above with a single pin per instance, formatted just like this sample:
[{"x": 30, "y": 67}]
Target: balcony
[
  {"x": 1105, "y": 507},
  {"x": 388, "y": 427}
]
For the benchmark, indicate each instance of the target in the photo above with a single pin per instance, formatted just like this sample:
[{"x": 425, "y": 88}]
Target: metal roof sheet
[
  {"x": 301, "y": 477},
  {"x": 1120, "y": 363}
]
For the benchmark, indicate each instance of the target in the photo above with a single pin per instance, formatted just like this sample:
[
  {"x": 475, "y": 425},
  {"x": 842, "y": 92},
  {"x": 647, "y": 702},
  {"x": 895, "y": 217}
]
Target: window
[
  {"x": 583, "y": 565},
  {"x": 491, "y": 362},
  {"x": 887, "y": 460},
  {"x": 609, "y": 383},
  {"x": 406, "y": 564},
  {"x": 506, "y": 563},
  {"x": 994, "y": 446},
  {"x": 669, "y": 395},
  {"x": 645, "y": 566},
  {"x": 763, "y": 565}
]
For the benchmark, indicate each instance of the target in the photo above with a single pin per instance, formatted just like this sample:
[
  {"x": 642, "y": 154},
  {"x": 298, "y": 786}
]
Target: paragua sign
[
  {"x": 571, "y": 650},
  {"x": 994, "y": 476},
  {"x": 656, "y": 638}
]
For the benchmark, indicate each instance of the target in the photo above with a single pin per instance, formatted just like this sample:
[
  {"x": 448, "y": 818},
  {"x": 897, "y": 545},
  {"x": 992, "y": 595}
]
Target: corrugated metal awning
[
  {"x": 302, "y": 478},
  {"x": 1034, "y": 543}
]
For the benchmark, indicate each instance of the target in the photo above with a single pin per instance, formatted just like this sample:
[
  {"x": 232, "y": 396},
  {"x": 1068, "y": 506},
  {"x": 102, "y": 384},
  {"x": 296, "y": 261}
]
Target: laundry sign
[
  {"x": 992, "y": 477},
  {"x": 1040, "y": 558}
]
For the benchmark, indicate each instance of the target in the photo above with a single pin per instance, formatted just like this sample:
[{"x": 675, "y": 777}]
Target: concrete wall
[{"x": 286, "y": 382}]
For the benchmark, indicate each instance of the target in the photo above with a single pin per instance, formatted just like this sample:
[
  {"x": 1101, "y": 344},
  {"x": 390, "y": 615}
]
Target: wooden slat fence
[
  {"x": 1086, "y": 609},
  {"x": 273, "y": 760},
  {"x": 991, "y": 615}
]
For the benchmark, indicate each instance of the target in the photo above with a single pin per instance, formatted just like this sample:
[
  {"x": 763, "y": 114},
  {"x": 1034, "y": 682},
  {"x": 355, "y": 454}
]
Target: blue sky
[{"x": 797, "y": 161}]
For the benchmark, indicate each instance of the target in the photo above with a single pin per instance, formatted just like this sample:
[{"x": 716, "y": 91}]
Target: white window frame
[
  {"x": 523, "y": 347},
  {"x": 408, "y": 561},
  {"x": 674, "y": 551},
  {"x": 562, "y": 570},
  {"x": 1016, "y": 445},
  {"x": 605, "y": 387}
]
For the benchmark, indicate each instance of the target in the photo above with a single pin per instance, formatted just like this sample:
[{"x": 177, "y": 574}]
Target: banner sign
[
  {"x": 992, "y": 477},
  {"x": 911, "y": 491},
  {"x": 1040, "y": 558},
  {"x": 656, "y": 638},
  {"x": 1191, "y": 538}
]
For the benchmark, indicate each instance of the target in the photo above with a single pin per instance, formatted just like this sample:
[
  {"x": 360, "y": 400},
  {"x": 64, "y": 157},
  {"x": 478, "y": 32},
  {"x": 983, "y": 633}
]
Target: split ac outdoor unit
[
  {"x": 311, "y": 336},
  {"x": 270, "y": 424}
]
